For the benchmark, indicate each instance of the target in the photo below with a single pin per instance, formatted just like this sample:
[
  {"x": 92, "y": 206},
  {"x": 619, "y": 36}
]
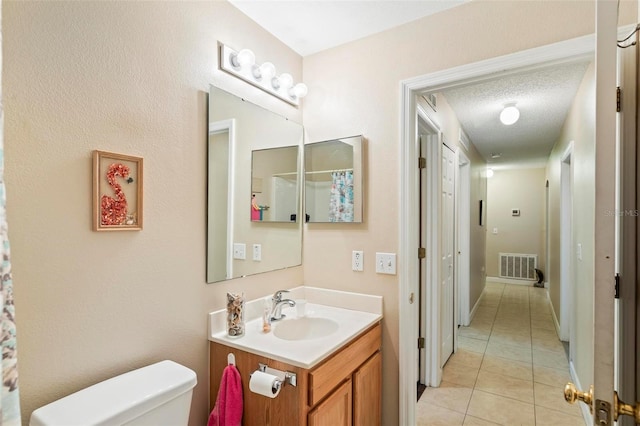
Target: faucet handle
[{"x": 277, "y": 297}]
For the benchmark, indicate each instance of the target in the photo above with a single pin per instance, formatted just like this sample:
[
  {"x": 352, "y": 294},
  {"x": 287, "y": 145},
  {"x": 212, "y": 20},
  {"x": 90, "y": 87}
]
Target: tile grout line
[
  {"x": 533, "y": 378},
  {"x": 466, "y": 412}
]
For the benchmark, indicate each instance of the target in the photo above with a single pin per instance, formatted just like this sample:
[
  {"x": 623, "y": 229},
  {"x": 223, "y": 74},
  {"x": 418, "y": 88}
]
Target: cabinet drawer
[{"x": 327, "y": 376}]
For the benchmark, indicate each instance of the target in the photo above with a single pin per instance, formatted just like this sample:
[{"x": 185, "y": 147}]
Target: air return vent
[{"x": 518, "y": 266}]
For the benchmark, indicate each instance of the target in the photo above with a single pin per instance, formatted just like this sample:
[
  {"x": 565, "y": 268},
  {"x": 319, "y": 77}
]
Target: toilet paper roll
[{"x": 265, "y": 384}]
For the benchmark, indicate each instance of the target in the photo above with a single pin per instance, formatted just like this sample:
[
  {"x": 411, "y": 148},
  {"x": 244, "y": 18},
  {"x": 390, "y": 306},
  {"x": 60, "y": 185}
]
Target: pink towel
[{"x": 228, "y": 408}]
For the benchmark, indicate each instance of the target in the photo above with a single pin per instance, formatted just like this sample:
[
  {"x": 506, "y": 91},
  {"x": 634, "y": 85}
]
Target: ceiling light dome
[{"x": 509, "y": 115}]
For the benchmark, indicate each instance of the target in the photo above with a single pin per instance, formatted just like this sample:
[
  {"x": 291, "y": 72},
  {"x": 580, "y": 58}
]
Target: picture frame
[{"x": 117, "y": 192}]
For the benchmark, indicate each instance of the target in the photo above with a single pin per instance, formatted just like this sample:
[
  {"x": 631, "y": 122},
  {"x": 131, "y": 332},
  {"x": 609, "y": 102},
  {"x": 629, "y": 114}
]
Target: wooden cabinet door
[
  {"x": 367, "y": 393},
  {"x": 336, "y": 410}
]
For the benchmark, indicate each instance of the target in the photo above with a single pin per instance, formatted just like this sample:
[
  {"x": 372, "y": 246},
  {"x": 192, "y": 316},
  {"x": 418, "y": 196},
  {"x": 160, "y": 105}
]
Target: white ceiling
[
  {"x": 309, "y": 26},
  {"x": 543, "y": 96}
]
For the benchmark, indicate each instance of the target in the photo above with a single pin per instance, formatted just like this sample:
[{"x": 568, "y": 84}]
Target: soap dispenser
[{"x": 266, "y": 315}]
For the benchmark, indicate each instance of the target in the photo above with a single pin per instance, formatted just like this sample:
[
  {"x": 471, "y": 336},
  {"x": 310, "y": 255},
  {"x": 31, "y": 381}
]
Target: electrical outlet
[
  {"x": 386, "y": 263},
  {"x": 357, "y": 260},
  {"x": 239, "y": 251},
  {"x": 257, "y": 252}
]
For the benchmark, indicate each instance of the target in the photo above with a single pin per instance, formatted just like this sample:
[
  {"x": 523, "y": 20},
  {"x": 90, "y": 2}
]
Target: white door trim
[
  {"x": 430, "y": 314},
  {"x": 409, "y": 188},
  {"x": 566, "y": 245},
  {"x": 463, "y": 224},
  {"x": 216, "y": 127},
  {"x": 431, "y": 294}
]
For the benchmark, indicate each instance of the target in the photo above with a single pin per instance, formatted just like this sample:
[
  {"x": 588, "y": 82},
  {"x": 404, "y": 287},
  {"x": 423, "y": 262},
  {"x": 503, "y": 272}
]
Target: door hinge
[
  {"x": 422, "y": 163},
  {"x": 420, "y": 342},
  {"x": 617, "y": 286},
  {"x": 422, "y": 253},
  {"x": 618, "y": 99}
]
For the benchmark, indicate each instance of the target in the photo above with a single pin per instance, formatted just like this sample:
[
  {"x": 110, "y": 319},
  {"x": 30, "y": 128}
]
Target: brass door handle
[
  {"x": 571, "y": 395},
  {"x": 620, "y": 407}
]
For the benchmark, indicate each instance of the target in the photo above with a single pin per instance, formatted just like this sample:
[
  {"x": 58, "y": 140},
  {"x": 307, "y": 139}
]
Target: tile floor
[{"x": 510, "y": 368}]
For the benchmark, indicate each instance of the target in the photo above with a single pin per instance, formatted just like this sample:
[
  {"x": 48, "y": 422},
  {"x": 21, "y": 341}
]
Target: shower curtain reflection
[{"x": 341, "y": 200}]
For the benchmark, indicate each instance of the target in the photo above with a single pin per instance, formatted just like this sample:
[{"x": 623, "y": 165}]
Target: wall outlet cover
[
  {"x": 357, "y": 260},
  {"x": 257, "y": 252}
]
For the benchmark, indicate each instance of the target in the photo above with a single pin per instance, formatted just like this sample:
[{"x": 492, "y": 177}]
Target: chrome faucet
[{"x": 277, "y": 302}]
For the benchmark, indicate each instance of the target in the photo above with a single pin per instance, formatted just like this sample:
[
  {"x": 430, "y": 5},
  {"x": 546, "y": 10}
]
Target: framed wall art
[{"x": 117, "y": 192}]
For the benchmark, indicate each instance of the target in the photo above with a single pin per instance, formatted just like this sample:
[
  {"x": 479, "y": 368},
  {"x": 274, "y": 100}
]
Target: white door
[
  {"x": 602, "y": 324},
  {"x": 447, "y": 242}
]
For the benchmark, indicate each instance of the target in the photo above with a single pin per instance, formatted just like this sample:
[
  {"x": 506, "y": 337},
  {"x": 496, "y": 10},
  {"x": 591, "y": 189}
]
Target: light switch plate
[
  {"x": 239, "y": 251},
  {"x": 386, "y": 263}
]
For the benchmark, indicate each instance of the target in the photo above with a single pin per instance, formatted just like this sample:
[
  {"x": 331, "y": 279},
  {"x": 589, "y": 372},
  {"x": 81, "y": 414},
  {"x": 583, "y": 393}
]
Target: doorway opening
[{"x": 409, "y": 220}]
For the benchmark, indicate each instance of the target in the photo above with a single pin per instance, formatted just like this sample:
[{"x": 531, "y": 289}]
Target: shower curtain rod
[{"x": 327, "y": 171}]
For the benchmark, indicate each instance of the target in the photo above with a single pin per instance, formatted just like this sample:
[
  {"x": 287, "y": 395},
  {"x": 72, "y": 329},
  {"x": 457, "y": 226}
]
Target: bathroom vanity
[{"x": 338, "y": 370}]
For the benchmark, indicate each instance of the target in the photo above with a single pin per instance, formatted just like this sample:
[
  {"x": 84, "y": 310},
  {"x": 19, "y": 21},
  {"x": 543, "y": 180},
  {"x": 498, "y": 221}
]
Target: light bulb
[
  {"x": 489, "y": 173},
  {"x": 298, "y": 91},
  {"x": 509, "y": 115},
  {"x": 243, "y": 58},
  {"x": 275, "y": 83},
  {"x": 286, "y": 80},
  {"x": 266, "y": 71}
]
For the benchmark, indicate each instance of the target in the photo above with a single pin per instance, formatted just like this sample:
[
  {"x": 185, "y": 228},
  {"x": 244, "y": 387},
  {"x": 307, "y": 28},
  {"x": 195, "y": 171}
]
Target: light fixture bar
[{"x": 240, "y": 64}]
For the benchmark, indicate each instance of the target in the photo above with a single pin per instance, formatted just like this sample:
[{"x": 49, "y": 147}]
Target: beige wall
[
  {"x": 133, "y": 78},
  {"x": 579, "y": 128},
  {"x": 522, "y": 189},
  {"x": 354, "y": 89}
]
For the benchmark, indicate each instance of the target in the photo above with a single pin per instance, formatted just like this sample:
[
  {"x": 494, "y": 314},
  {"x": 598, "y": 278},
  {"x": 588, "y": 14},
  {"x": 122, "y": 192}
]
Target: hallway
[{"x": 510, "y": 368}]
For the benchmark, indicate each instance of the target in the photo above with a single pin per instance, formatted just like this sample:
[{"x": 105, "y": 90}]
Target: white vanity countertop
[{"x": 366, "y": 311}]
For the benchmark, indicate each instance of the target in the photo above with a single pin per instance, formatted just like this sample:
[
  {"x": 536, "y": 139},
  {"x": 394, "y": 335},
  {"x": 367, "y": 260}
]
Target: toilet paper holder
[{"x": 284, "y": 376}]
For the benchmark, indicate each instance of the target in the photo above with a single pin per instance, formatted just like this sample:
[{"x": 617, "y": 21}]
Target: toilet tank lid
[{"x": 119, "y": 399}]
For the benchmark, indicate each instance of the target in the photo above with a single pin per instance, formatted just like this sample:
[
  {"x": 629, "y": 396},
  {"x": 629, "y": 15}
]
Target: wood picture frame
[{"x": 117, "y": 192}]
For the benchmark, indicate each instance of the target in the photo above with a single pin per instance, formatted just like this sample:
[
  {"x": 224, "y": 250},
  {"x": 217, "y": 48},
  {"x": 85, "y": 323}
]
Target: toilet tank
[{"x": 158, "y": 394}]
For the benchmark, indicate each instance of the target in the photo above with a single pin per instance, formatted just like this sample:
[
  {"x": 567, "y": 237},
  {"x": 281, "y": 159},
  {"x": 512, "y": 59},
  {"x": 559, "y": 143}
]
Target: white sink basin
[{"x": 305, "y": 328}]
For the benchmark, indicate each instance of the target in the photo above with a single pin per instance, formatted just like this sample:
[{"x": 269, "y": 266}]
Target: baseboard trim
[
  {"x": 510, "y": 281},
  {"x": 475, "y": 307},
  {"x": 553, "y": 313},
  {"x": 584, "y": 409}
]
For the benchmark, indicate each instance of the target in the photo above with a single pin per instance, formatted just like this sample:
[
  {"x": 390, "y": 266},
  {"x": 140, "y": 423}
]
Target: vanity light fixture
[
  {"x": 510, "y": 114},
  {"x": 242, "y": 64}
]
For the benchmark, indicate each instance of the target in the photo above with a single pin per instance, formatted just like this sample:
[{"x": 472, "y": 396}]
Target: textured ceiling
[
  {"x": 310, "y": 26},
  {"x": 543, "y": 98}
]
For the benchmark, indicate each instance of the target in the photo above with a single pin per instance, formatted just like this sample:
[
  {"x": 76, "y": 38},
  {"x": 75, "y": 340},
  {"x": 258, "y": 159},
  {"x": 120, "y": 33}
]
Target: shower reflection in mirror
[
  {"x": 274, "y": 184},
  {"x": 333, "y": 180}
]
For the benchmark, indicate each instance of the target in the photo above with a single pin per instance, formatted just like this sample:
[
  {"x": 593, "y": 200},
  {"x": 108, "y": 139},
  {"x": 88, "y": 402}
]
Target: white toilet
[{"x": 159, "y": 394}]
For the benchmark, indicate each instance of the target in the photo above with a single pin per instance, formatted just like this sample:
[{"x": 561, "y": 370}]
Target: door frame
[
  {"x": 463, "y": 238},
  {"x": 566, "y": 326},
  {"x": 453, "y": 319},
  {"x": 409, "y": 186},
  {"x": 430, "y": 317}
]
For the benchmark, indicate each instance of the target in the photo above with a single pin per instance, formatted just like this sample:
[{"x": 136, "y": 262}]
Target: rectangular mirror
[
  {"x": 333, "y": 180},
  {"x": 274, "y": 184},
  {"x": 236, "y": 245}
]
